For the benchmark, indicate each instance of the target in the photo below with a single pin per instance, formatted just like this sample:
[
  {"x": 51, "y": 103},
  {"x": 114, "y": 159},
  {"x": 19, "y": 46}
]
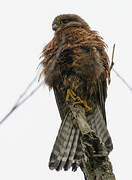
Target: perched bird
[{"x": 76, "y": 66}]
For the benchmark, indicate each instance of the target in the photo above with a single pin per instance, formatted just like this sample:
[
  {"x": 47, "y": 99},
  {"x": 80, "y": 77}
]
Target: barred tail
[
  {"x": 67, "y": 150},
  {"x": 64, "y": 149},
  {"x": 97, "y": 123}
]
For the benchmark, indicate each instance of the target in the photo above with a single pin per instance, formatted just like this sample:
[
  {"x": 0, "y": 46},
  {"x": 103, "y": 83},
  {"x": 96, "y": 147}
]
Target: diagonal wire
[
  {"x": 23, "y": 97},
  {"x": 117, "y": 74},
  {"x": 122, "y": 79},
  {"x": 28, "y": 87}
]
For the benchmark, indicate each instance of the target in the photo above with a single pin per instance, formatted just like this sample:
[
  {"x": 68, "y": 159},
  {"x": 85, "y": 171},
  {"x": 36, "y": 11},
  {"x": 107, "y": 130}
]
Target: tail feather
[
  {"x": 78, "y": 155},
  {"x": 65, "y": 146},
  {"x": 98, "y": 124},
  {"x": 70, "y": 159},
  {"x": 67, "y": 150},
  {"x": 60, "y": 143}
]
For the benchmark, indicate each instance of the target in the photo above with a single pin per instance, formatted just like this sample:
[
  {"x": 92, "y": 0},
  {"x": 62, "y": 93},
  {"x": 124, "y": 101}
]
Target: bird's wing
[
  {"x": 98, "y": 120},
  {"x": 60, "y": 101},
  {"x": 102, "y": 94}
]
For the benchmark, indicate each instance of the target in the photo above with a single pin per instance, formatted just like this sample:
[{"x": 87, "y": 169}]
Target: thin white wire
[
  {"x": 23, "y": 97},
  {"x": 122, "y": 79}
]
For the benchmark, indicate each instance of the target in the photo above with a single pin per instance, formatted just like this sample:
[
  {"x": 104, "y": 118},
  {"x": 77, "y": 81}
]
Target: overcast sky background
[{"x": 28, "y": 135}]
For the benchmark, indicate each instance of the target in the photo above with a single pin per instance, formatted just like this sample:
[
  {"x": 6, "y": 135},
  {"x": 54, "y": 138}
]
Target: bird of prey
[{"x": 76, "y": 67}]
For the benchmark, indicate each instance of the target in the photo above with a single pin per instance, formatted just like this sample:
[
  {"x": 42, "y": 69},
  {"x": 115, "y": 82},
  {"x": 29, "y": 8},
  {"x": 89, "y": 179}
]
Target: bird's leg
[
  {"x": 77, "y": 99},
  {"x": 70, "y": 93}
]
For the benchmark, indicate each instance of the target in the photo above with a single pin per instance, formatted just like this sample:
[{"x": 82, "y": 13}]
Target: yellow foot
[
  {"x": 70, "y": 93},
  {"x": 83, "y": 102},
  {"x": 78, "y": 100}
]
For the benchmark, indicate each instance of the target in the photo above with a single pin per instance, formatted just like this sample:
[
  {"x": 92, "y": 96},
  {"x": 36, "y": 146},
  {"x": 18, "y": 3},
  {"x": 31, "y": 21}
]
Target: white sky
[{"x": 27, "y": 137}]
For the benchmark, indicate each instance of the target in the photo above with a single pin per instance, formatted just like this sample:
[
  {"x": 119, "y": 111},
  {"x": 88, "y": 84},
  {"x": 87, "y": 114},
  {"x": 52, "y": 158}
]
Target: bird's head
[{"x": 68, "y": 20}]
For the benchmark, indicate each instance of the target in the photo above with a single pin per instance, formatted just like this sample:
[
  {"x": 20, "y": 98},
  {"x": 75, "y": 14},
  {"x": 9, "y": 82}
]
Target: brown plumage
[{"x": 75, "y": 60}]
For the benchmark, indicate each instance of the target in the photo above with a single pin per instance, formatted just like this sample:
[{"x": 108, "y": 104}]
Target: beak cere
[{"x": 54, "y": 27}]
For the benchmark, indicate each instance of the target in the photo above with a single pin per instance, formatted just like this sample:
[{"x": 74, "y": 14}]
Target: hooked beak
[{"x": 54, "y": 27}]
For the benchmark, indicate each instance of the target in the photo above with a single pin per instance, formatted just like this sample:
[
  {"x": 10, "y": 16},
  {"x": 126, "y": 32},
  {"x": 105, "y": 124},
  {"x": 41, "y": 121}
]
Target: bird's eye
[{"x": 64, "y": 21}]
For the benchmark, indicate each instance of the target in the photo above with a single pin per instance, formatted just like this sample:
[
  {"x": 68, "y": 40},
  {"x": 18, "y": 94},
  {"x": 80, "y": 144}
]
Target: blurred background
[{"x": 28, "y": 135}]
